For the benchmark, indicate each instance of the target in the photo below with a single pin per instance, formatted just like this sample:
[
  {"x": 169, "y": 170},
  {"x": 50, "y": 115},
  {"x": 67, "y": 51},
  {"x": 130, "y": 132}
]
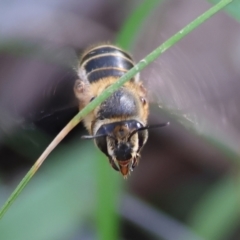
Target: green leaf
[
  {"x": 60, "y": 198},
  {"x": 216, "y": 215}
]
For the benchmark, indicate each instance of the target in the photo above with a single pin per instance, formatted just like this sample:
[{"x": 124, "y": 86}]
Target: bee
[{"x": 119, "y": 125}]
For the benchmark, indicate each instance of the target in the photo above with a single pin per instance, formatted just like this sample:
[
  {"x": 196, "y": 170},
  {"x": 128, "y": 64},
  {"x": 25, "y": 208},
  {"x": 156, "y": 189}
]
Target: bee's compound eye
[
  {"x": 101, "y": 143},
  {"x": 92, "y": 99},
  {"x": 139, "y": 125}
]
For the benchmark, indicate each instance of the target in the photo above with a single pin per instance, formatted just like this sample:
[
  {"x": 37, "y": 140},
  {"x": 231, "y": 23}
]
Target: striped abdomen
[{"x": 105, "y": 61}]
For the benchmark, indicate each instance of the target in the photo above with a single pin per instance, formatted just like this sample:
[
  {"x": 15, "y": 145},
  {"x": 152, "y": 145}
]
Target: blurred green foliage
[
  {"x": 58, "y": 199},
  {"x": 216, "y": 216}
]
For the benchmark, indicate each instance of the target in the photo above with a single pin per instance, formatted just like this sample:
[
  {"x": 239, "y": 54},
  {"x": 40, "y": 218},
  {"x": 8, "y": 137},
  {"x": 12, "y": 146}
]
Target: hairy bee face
[
  {"x": 118, "y": 125},
  {"x": 122, "y": 142}
]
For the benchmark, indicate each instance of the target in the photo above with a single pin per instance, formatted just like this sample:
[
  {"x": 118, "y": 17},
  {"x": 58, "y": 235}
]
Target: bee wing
[
  {"x": 195, "y": 80},
  {"x": 42, "y": 95},
  {"x": 58, "y": 103}
]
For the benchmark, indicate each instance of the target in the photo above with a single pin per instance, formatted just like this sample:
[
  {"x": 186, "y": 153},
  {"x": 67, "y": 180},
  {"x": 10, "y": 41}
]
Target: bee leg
[
  {"x": 135, "y": 163},
  {"x": 82, "y": 93},
  {"x": 113, "y": 164}
]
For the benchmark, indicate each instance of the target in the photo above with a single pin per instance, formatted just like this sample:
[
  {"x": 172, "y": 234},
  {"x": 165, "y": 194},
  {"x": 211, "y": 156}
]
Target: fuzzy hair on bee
[{"x": 118, "y": 125}]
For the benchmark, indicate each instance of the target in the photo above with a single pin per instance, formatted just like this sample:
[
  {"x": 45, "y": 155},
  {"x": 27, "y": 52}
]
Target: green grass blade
[
  {"x": 232, "y": 9},
  {"x": 108, "y": 194},
  {"x": 129, "y": 31},
  {"x": 108, "y": 200},
  {"x": 215, "y": 217},
  {"x": 59, "y": 200},
  {"x": 109, "y": 91}
]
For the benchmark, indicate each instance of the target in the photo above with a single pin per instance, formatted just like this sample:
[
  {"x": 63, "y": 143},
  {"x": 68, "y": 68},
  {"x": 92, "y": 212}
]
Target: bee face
[
  {"x": 122, "y": 142},
  {"x": 118, "y": 125}
]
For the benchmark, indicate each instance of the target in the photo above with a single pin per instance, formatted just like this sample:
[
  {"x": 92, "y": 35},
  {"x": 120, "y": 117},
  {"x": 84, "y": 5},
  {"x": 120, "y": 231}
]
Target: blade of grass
[
  {"x": 57, "y": 203},
  {"x": 107, "y": 218},
  {"x": 216, "y": 215},
  {"x": 232, "y": 9},
  {"x": 108, "y": 194},
  {"x": 108, "y": 92},
  {"x": 132, "y": 25},
  {"x": 107, "y": 202}
]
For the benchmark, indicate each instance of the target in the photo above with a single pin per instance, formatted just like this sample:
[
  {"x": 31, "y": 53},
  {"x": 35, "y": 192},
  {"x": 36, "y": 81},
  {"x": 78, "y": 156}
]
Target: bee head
[{"x": 122, "y": 142}]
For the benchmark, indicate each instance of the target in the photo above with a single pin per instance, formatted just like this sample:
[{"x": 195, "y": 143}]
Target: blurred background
[{"x": 187, "y": 183}]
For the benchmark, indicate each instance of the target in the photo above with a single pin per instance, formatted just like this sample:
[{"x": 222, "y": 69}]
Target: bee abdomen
[{"x": 105, "y": 61}]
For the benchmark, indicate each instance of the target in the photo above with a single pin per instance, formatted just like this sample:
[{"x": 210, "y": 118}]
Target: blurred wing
[
  {"x": 194, "y": 80},
  {"x": 41, "y": 94},
  {"x": 59, "y": 104}
]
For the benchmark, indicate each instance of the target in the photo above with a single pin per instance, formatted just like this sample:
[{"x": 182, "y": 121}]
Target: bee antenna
[
  {"x": 93, "y": 137},
  {"x": 157, "y": 125},
  {"x": 149, "y": 127}
]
